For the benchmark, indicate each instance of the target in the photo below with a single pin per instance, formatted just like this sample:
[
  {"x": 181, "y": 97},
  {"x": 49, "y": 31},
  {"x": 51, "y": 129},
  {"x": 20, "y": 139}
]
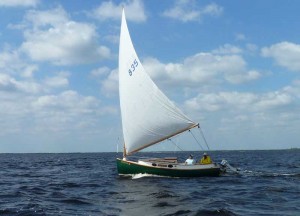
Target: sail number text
[{"x": 133, "y": 67}]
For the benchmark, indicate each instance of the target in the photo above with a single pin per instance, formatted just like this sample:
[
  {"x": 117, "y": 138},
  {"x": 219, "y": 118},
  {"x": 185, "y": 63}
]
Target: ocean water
[{"x": 88, "y": 184}]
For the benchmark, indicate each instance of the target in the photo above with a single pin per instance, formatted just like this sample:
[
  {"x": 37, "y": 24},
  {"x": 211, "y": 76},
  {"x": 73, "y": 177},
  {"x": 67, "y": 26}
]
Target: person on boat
[
  {"x": 205, "y": 159},
  {"x": 190, "y": 160}
]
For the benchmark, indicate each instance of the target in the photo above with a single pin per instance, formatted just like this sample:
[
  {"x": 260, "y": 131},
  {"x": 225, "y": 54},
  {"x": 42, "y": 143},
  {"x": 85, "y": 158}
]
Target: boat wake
[
  {"x": 228, "y": 169},
  {"x": 143, "y": 175},
  {"x": 139, "y": 175},
  {"x": 268, "y": 174}
]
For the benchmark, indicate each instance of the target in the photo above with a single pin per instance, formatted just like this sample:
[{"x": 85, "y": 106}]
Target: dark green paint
[{"x": 125, "y": 167}]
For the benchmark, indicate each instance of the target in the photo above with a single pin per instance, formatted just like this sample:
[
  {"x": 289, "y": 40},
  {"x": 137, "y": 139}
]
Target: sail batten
[{"x": 148, "y": 116}]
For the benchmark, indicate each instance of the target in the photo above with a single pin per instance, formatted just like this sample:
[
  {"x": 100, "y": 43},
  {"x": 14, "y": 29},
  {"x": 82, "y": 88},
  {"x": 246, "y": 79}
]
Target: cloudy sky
[{"x": 233, "y": 66}]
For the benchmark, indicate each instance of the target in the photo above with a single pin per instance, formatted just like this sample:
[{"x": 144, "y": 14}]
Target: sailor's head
[
  {"x": 191, "y": 156},
  {"x": 205, "y": 154}
]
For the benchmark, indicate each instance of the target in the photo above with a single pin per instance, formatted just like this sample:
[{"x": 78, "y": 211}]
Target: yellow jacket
[{"x": 206, "y": 160}]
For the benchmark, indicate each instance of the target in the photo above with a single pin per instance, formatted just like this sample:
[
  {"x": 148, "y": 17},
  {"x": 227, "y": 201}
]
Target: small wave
[
  {"x": 22, "y": 212},
  {"x": 8, "y": 211},
  {"x": 57, "y": 195},
  {"x": 180, "y": 212},
  {"x": 215, "y": 212},
  {"x": 163, "y": 194},
  {"x": 70, "y": 185},
  {"x": 75, "y": 201},
  {"x": 163, "y": 204}
]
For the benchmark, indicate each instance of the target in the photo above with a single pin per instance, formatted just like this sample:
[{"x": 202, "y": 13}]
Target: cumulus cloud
[
  {"x": 293, "y": 90},
  {"x": 108, "y": 79},
  {"x": 203, "y": 68},
  {"x": 12, "y": 63},
  {"x": 99, "y": 72},
  {"x": 59, "y": 81},
  {"x": 110, "y": 85},
  {"x": 187, "y": 11},
  {"x": 134, "y": 10},
  {"x": 222, "y": 100},
  {"x": 67, "y": 111},
  {"x": 31, "y": 103},
  {"x": 240, "y": 101},
  {"x": 243, "y": 77},
  {"x": 10, "y": 84},
  {"x": 285, "y": 54},
  {"x": 52, "y": 36},
  {"x": 227, "y": 49},
  {"x": 18, "y": 3},
  {"x": 245, "y": 114},
  {"x": 251, "y": 47},
  {"x": 67, "y": 99},
  {"x": 197, "y": 70}
]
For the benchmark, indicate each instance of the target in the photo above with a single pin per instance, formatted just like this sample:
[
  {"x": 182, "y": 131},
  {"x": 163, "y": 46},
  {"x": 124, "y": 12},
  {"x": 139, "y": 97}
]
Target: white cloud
[
  {"x": 10, "y": 84},
  {"x": 240, "y": 37},
  {"x": 68, "y": 111},
  {"x": 187, "y": 11},
  {"x": 110, "y": 85},
  {"x": 240, "y": 102},
  {"x": 60, "y": 113},
  {"x": 69, "y": 100},
  {"x": 273, "y": 100},
  {"x": 58, "y": 81},
  {"x": 212, "y": 10},
  {"x": 238, "y": 116},
  {"x": 100, "y": 72},
  {"x": 202, "y": 68},
  {"x": 18, "y": 76},
  {"x": 243, "y": 76},
  {"x": 222, "y": 100},
  {"x": 251, "y": 47},
  {"x": 227, "y": 49},
  {"x": 12, "y": 63},
  {"x": 53, "y": 17},
  {"x": 18, "y": 3},
  {"x": 267, "y": 115},
  {"x": 54, "y": 37},
  {"x": 285, "y": 54},
  {"x": 108, "y": 79},
  {"x": 134, "y": 10}
]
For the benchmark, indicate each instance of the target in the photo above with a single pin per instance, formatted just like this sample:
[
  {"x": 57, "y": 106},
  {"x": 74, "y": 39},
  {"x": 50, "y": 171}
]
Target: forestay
[{"x": 148, "y": 116}]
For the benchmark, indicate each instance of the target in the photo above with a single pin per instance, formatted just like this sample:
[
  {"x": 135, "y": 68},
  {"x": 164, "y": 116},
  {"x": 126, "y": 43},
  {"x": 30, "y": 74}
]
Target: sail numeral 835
[{"x": 133, "y": 67}]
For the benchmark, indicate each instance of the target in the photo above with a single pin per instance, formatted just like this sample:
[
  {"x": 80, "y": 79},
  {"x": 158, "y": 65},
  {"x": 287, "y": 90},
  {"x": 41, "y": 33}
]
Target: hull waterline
[{"x": 129, "y": 168}]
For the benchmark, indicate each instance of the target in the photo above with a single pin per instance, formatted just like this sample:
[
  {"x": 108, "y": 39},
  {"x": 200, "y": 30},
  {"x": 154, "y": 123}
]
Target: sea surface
[{"x": 88, "y": 184}]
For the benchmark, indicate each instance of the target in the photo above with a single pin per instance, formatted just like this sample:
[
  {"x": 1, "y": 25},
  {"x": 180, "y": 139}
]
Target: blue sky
[{"x": 233, "y": 66}]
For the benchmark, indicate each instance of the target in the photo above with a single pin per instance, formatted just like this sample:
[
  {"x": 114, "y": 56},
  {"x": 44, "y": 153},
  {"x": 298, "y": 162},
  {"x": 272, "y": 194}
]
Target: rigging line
[
  {"x": 118, "y": 145},
  {"x": 203, "y": 136},
  {"x": 119, "y": 142},
  {"x": 196, "y": 140},
  {"x": 175, "y": 144}
]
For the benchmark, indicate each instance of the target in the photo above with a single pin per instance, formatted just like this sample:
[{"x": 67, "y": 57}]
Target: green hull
[{"x": 129, "y": 168}]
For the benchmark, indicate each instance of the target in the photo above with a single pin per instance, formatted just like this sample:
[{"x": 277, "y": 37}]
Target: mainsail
[{"x": 148, "y": 116}]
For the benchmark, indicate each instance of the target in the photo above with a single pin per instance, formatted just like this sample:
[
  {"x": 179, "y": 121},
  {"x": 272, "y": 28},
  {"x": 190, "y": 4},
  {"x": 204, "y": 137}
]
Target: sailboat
[{"x": 148, "y": 118}]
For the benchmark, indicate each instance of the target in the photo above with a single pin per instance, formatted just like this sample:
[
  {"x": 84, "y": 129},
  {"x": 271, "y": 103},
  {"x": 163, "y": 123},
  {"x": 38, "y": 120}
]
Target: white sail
[{"x": 148, "y": 116}]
